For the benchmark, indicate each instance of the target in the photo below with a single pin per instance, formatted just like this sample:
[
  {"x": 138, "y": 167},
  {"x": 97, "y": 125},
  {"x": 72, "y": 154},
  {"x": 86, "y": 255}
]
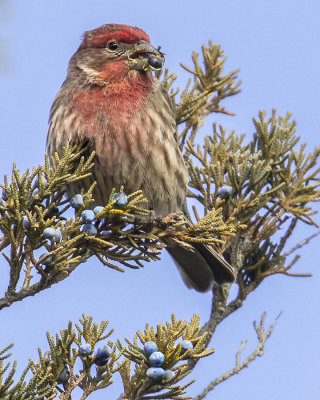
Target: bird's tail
[{"x": 200, "y": 265}]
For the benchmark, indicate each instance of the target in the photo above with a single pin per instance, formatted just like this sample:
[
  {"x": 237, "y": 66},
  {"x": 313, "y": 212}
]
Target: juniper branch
[
  {"x": 123, "y": 234},
  {"x": 258, "y": 352}
]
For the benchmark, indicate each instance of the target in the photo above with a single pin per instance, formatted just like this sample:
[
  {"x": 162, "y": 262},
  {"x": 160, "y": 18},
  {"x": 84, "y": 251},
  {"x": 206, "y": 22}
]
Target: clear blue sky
[{"x": 276, "y": 46}]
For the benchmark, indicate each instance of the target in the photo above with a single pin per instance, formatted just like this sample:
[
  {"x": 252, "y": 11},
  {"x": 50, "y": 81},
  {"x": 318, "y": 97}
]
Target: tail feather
[
  {"x": 221, "y": 269},
  {"x": 194, "y": 270},
  {"x": 200, "y": 266}
]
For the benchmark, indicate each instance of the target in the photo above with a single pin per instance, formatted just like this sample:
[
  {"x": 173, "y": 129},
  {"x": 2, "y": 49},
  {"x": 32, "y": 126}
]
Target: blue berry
[
  {"x": 47, "y": 357},
  {"x": 120, "y": 198},
  {"x": 76, "y": 201},
  {"x": 4, "y": 195},
  {"x": 99, "y": 362},
  {"x": 26, "y": 222},
  {"x": 85, "y": 349},
  {"x": 34, "y": 196},
  {"x": 49, "y": 233},
  {"x": 90, "y": 229},
  {"x": 43, "y": 179},
  {"x": 225, "y": 191},
  {"x": 102, "y": 355},
  {"x": 104, "y": 352},
  {"x": 155, "y": 373},
  {"x": 155, "y": 62},
  {"x": 87, "y": 216},
  {"x": 97, "y": 210},
  {"x": 186, "y": 345},
  {"x": 58, "y": 236},
  {"x": 156, "y": 359},
  {"x": 168, "y": 374},
  {"x": 150, "y": 347},
  {"x": 53, "y": 212},
  {"x": 63, "y": 376},
  {"x": 47, "y": 260}
]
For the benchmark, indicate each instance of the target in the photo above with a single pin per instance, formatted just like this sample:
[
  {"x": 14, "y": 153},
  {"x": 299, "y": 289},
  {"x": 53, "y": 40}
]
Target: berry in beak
[{"x": 145, "y": 57}]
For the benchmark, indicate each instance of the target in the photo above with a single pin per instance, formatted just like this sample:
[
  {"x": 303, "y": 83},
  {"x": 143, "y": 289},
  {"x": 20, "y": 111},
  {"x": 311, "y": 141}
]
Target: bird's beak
[{"x": 145, "y": 57}]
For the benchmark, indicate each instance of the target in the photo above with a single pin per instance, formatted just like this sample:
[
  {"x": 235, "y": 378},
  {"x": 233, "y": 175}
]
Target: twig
[
  {"x": 301, "y": 244},
  {"x": 258, "y": 352},
  {"x": 44, "y": 283}
]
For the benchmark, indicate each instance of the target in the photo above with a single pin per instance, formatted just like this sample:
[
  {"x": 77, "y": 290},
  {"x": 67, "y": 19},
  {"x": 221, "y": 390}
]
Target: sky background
[{"x": 276, "y": 46}]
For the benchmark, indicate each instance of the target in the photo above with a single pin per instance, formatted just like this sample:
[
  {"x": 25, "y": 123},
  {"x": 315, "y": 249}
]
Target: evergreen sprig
[
  {"x": 274, "y": 184},
  {"x": 168, "y": 340},
  {"x": 204, "y": 92}
]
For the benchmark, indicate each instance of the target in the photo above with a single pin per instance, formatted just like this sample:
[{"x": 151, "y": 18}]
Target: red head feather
[{"x": 121, "y": 33}]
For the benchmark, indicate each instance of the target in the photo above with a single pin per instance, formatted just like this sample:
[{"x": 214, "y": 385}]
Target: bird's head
[{"x": 114, "y": 52}]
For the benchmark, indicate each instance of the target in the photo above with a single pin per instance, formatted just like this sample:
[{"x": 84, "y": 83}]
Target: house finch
[{"x": 112, "y": 101}]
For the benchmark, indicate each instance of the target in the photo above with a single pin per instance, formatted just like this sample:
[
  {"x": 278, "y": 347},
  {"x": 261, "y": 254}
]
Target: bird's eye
[{"x": 112, "y": 46}]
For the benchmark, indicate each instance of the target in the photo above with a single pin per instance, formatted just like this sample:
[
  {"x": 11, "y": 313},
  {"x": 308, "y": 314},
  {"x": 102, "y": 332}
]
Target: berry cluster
[
  {"x": 156, "y": 359},
  {"x": 88, "y": 217},
  {"x": 49, "y": 233},
  {"x": 101, "y": 356},
  {"x": 34, "y": 189},
  {"x": 100, "y": 359}
]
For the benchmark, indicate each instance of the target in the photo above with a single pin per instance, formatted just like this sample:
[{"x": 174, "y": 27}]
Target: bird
[{"x": 112, "y": 101}]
